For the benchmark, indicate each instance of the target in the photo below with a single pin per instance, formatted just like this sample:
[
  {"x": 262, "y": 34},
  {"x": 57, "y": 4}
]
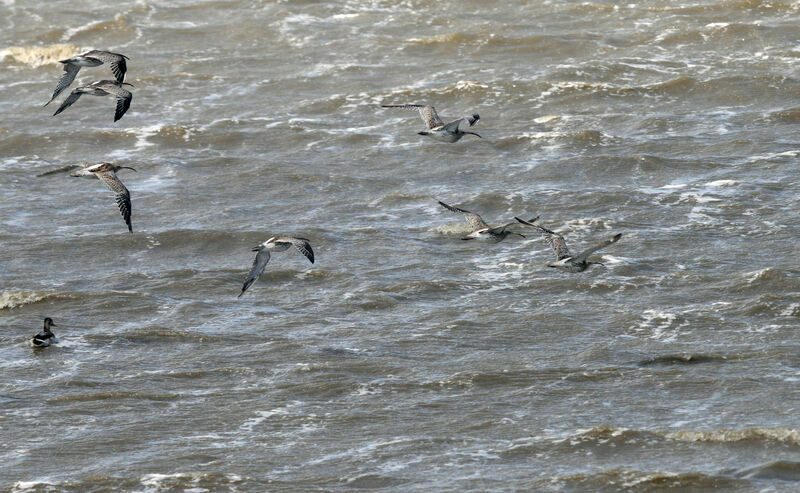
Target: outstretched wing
[
  {"x": 585, "y": 254},
  {"x": 122, "y": 196},
  {"x": 426, "y": 112},
  {"x": 70, "y": 71},
  {"x": 554, "y": 239},
  {"x": 118, "y": 68},
  {"x": 475, "y": 221},
  {"x": 462, "y": 123},
  {"x": 73, "y": 96},
  {"x": 501, "y": 228},
  {"x": 62, "y": 169},
  {"x": 557, "y": 242},
  {"x": 260, "y": 262},
  {"x": 302, "y": 244},
  {"x": 123, "y": 103}
]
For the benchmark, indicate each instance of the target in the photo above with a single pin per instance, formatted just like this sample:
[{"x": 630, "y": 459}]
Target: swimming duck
[{"x": 45, "y": 337}]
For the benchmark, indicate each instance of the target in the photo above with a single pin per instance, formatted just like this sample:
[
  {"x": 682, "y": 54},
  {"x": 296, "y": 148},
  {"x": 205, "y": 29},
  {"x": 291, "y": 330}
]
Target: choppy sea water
[{"x": 404, "y": 359}]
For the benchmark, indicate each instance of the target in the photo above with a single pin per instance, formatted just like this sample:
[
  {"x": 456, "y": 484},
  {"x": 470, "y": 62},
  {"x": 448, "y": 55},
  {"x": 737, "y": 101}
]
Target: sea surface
[{"x": 403, "y": 359}]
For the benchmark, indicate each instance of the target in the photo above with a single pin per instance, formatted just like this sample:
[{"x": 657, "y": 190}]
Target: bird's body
[
  {"x": 92, "y": 58},
  {"x": 45, "y": 337},
  {"x": 481, "y": 230},
  {"x": 565, "y": 260},
  {"x": 107, "y": 173},
  {"x": 436, "y": 128},
  {"x": 102, "y": 88},
  {"x": 277, "y": 244}
]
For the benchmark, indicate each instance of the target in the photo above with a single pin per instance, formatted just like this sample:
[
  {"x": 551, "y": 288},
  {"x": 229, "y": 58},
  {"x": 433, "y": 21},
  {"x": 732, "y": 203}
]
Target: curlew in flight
[
  {"x": 102, "y": 88},
  {"x": 278, "y": 244},
  {"x": 436, "y": 128},
  {"x": 480, "y": 229},
  {"x": 107, "y": 173},
  {"x": 565, "y": 260},
  {"x": 90, "y": 59}
]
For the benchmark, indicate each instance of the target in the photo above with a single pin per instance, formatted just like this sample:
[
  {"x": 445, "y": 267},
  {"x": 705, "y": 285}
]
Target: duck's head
[{"x": 48, "y": 322}]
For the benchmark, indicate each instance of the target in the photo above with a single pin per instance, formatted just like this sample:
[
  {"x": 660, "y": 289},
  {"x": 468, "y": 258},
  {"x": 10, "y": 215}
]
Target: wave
[
  {"x": 11, "y": 298},
  {"x": 179, "y": 481},
  {"x": 117, "y": 26},
  {"x": 619, "y": 480},
  {"x": 161, "y": 334},
  {"x": 687, "y": 359},
  {"x": 113, "y": 396},
  {"x": 763, "y": 435},
  {"x": 769, "y": 280},
  {"x": 781, "y": 470},
  {"x": 36, "y": 56},
  {"x": 604, "y": 434}
]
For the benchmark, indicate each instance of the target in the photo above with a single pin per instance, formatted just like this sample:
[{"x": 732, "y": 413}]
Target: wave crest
[
  {"x": 36, "y": 56},
  {"x": 12, "y": 298}
]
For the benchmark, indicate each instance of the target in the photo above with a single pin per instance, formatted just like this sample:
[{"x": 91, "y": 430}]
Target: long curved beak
[
  {"x": 473, "y": 133},
  {"x": 128, "y": 167}
]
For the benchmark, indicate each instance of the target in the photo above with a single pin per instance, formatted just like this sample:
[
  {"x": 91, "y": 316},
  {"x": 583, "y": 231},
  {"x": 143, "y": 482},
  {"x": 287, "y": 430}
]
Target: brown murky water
[{"x": 404, "y": 359}]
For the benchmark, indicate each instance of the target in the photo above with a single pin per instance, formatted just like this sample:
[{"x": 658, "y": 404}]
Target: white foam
[
  {"x": 155, "y": 480},
  {"x": 21, "y": 486},
  {"x": 658, "y": 323},
  {"x": 545, "y": 119}
]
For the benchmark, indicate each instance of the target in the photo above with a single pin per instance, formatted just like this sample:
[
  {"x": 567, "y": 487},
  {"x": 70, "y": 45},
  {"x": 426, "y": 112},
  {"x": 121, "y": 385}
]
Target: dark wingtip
[
  {"x": 617, "y": 236},
  {"x": 422, "y": 133},
  {"x": 476, "y": 116},
  {"x": 529, "y": 223}
]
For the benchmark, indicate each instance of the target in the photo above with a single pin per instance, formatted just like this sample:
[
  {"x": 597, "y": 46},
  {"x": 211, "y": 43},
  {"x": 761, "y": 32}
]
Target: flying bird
[
  {"x": 45, "y": 337},
  {"x": 565, "y": 260},
  {"x": 107, "y": 173},
  {"x": 278, "y": 244},
  {"x": 436, "y": 128},
  {"x": 92, "y": 58},
  {"x": 482, "y": 230},
  {"x": 102, "y": 88}
]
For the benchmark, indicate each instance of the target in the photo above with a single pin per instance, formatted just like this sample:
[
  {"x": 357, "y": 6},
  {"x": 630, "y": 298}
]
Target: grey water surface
[{"x": 404, "y": 359}]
